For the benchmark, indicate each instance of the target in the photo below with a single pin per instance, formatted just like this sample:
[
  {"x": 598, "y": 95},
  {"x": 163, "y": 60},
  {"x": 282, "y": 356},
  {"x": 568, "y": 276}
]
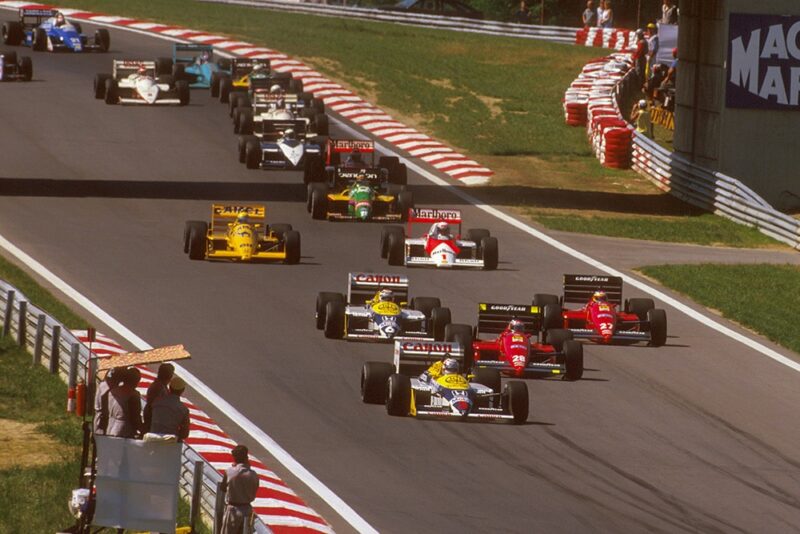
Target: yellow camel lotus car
[{"x": 238, "y": 233}]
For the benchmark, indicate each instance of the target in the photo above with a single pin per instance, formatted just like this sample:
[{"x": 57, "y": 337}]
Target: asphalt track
[{"x": 699, "y": 435}]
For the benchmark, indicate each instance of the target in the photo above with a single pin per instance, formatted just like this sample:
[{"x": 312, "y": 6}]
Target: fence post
[
  {"x": 197, "y": 489},
  {"x": 37, "y": 346},
  {"x": 9, "y": 310},
  {"x": 73, "y": 365},
  {"x": 219, "y": 508},
  {"x": 22, "y": 323},
  {"x": 55, "y": 349}
]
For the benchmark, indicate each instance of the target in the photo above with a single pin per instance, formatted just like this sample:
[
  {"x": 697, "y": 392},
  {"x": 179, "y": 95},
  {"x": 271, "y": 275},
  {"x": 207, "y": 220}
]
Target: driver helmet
[
  {"x": 289, "y": 133},
  {"x": 450, "y": 366},
  {"x": 60, "y": 20},
  {"x": 443, "y": 228},
  {"x": 361, "y": 177},
  {"x": 242, "y": 217},
  {"x": 276, "y": 89},
  {"x": 385, "y": 295},
  {"x": 205, "y": 56},
  {"x": 516, "y": 326},
  {"x": 282, "y": 115},
  {"x": 600, "y": 296}
]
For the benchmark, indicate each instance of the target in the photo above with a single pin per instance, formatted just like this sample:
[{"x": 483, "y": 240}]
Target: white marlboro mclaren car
[
  {"x": 376, "y": 308},
  {"x": 407, "y": 388},
  {"x": 136, "y": 82},
  {"x": 442, "y": 245}
]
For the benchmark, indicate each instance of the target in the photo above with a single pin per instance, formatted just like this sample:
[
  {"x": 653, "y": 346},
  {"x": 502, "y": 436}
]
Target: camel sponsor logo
[
  {"x": 369, "y": 278},
  {"x": 410, "y": 346},
  {"x": 763, "y": 62}
]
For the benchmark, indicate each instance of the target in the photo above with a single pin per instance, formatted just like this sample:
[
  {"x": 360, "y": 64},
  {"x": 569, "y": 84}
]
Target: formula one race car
[
  {"x": 46, "y": 29},
  {"x": 247, "y": 73},
  {"x": 507, "y": 339},
  {"x": 136, "y": 82},
  {"x": 407, "y": 391},
  {"x": 238, "y": 233},
  {"x": 13, "y": 69},
  {"x": 263, "y": 105},
  {"x": 599, "y": 318},
  {"x": 439, "y": 247},
  {"x": 376, "y": 308},
  {"x": 194, "y": 63},
  {"x": 358, "y": 189}
]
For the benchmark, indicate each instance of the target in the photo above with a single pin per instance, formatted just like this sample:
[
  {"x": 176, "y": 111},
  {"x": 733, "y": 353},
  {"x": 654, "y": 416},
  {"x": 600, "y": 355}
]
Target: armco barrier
[{"x": 278, "y": 509}]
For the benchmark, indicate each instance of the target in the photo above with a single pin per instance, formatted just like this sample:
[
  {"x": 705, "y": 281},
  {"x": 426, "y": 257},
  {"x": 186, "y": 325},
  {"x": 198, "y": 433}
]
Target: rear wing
[
  {"x": 193, "y": 50},
  {"x": 414, "y": 355},
  {"x": 272, "y": 129},
  {"x": 242, "y": 66},
  {"x": 361, "y": 287},
  {"x": 494, "y": 318},
  {"x": 39, "y": 12},
  {"x": 125, "y": 67},
  {"x": 262, "y": 97},
  {"x": 222, "y": 214},
  {"x": 349, "y": 175},
  {"x": 432, "y": 215},
  {"x": 348, "y": 145},
  {"x": 578, "y": 288}
]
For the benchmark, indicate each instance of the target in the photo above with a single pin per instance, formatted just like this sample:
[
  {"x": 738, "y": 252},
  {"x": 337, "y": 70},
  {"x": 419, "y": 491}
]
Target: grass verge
[{"x": 747, "y": 294}]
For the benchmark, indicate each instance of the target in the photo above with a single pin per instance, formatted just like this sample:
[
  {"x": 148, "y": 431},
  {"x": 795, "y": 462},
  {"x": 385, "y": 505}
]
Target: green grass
[
  {"x": 40, "y": 296},
  {"x": 763, "y": 298},
  {"x": 704, "y": 229}
]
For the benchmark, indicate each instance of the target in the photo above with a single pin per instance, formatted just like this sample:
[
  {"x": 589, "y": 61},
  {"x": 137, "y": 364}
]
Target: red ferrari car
[
  {"x": 603, "y": 317},
  {"x": 507, "y": 338}
]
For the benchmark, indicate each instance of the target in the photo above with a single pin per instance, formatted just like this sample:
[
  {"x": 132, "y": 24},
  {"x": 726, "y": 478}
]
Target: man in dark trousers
[
  {"x": 169, "y": 415},
  {"x": 157, "y": 389},
  {"x": 240, "y": 483},
  {"x": 125, "y": 406}
]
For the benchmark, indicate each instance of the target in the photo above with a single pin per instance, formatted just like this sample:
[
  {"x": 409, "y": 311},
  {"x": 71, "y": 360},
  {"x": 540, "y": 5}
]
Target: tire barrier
[{"x": 615, "y": 38}]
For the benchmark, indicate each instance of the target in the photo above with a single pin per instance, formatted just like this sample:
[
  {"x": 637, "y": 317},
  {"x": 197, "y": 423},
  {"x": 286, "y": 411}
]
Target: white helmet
[
  {"x": 386, "y": 295},
  {"x": 443, "y": 227},
  {"x": 276, "y": 89},
  {"x": 516, "y": 326},
  {"x": 282, "y": 115},
  {"x": 450, "y": 366},
  {"x": 289, "y": 133}
]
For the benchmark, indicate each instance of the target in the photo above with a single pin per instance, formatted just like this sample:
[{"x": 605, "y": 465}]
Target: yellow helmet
[{"x": 242, "y": 217}]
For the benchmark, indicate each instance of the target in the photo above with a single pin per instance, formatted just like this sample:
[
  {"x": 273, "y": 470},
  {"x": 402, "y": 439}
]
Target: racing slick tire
[
  {"x": 318, "y": 198},
  {"x": 573, "y": 360},
  {"x": 252, "y": 153},
  {"x": 291, "y": 244},
  {"x": 551, "y": 317},
  {"x": 197, "y": 241},
  {"x": 39, "y": 40},
  {"x": 111, "y": 96},
  {"x": 313, "y": 171},
  {"x": 225, "y": 85},
  {"x": 398, "y": 173},
  {"x": 477, "y": 235},
  {"x": 462, "y": 334},
  {"x": 386, "y": 231},
  {"x": 10, "y": 57},
  {"x": 334, "y": 320},
  {"x": 543, "y": 299},
  {"x": 405, "y": 202},
  {"x": 489, "y": 378},
  {"x": 246, "y": 121},
  {"x": 295, "y": 85},
  {"x": 557, "y": 336},
  {"x": 491, "y": 254},
  {"x": 425, "y": 304},
  {"x": 102, "y": 39},
  {"x": 658, "y": 327},
  {"x": 515, "y": 397},
  {"x": 323, "y": 298},
  {"x": 184, "y": 94},
  {"x": 215, "y": 79},
  {"x": 242, "y": 146},
  {"x": 440, "y": 318},
  {"x": 26, "y": 68},
  {"x": 395, "y": 254},
  {"x": 398, "y": 395},
  {"x": 321, "y": 124},
  {"x": 224, "y": 63},
  {"x": 187, "y": 231},
  {"x": 318, "y": 105},
  {"x": 163, "y": 66},
  {"x": 374, "y": 376},
  {"x": 100, "y": 85},
  {"x": 639, "y": 307},
  {"x": 13, "y": 33},
  {"x": 165, "y": 79},
  {"x": 280, "y": 228},
  {"x": 237, "y": 117},
  {"x": 179, "y": 71},
  {"x": 237, "y": 99}
]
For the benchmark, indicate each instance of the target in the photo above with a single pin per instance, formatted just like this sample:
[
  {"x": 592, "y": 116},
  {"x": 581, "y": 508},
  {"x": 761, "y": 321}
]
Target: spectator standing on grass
[
  {"x": 125, "y": 406},
  {"x": 589, "y": 16},
  {"x": 100, "y": 422},
  {"x": 607, "y": 18},
  {"x": 652, "y": 46},
  {"x": 523, "y": 14},
  {"x": 240, "y": 484},
  {"x": 641, "y": 117},
  {"x": 640, "y": 56},
  {"x": 157, "y": 389},
  {"x": 169, "y": 415},
  {"x": 669, "y": 13}
]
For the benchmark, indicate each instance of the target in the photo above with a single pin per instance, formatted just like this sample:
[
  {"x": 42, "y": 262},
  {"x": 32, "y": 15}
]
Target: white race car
[{"x": 136, "y": 82}]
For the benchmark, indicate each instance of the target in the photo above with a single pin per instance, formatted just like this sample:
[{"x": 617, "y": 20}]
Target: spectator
[
  {"x": 669, "y": 13},
  {"x": 169, "y": 415},
  {"x": 607, "y": 18},
  {"x": 589, "y": 15},
  {"x": 654, "y": 81},
  {"x": 666, "y": 90},
  {"x": 125, "y": 406},
  {"x": 157, "y": 389},
  {"x": 100, "y": 423},
  {"x": 240, "y": 484},
  {"x": 641, "y": 117},
  {"x": 601, "y": 7},
  {"x": 640, "y": 56},
  {"x": 523, "y": 14},
  {"x": 652, "y": 46}
]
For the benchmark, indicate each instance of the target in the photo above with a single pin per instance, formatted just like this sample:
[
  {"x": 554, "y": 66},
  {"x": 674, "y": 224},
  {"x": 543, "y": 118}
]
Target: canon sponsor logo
[
  {"x": 369, "y": 278},
  {"x": 409, "y": 346}
]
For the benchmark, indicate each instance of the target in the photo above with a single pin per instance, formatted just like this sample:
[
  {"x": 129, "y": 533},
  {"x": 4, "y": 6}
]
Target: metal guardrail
[
  {"x": 53, "y": 345},
  {"x": 489, "y": 27}
]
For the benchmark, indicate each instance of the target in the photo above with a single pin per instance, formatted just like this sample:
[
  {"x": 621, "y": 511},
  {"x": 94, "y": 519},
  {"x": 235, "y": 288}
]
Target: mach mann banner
[{"x": 763, "y": 62}]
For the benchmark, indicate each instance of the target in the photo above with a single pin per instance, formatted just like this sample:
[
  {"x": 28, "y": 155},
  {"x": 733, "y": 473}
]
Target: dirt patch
[
  {"x": 491, "y": 103},
  {"x": 22, "y": 445},
  {"x": 444, "y": 84}
]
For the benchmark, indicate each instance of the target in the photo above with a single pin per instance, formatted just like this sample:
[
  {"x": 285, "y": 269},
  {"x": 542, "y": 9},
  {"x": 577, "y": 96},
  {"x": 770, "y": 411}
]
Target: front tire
[
  {"x": 658, "y": 327},
  {"x": 197, "y": 241},
  {"x": 334, "y": 320},
  {"x": 292, "y": 247},
  {"x": 111, "y": 97},
  {"x": 398, "y": 398},
  {"x": 489, "y": 378},
  {"x": 573, "y": 360},
  {"x": 323, "y": 298},
  {"x": 491, "y": 255},
  {"x": 319, "y": 200},
  {"x": 103, "y": 39},
  {"x": 252, "y": 153},
  {"x": 26, "y": 68},
  {"x": 396, "y": 250},
  {"x": 100, "y": 85},
  {"x": 517, "y": 401},
  {"x": 39, "y": 40}
]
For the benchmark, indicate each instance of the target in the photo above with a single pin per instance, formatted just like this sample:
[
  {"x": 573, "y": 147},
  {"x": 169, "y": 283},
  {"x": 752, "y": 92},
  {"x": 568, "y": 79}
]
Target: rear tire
[
  {"x": 557, "y": 336},
  {"x": 640, "y": 307},
  {"x": 658, "y": 327},
  {"x": 292, "y": 247},
  {"x": 462, "y": 334},
  {"x": 179, "y": 71},
  {"x": 374, "y": 378},
  {"x": 396, "y": 250},
  {"x": 552, "y": 318},
  {"x": 517, "y": 401},
  {"x": 252, "y": 153},
  {"x": 26, "y": 68},
  {"x": 440, "y": 318},
  {"x": 163, "y": 66},
  {"x": 184, "y": 94},
  {"x": 242, "y": 146},
  {"x": 386, "y": 231},
  {"x": 103, "y": 39},
  {"x": 491, "y": 254},
  {"x": 225, "y": 85},
  {"x": 573, "y": 360},
  {"x": 39, "y": 40},
  {"x": 313, "y": 170},
  {"x": 405, "y": 202},
  {"x": 543, "y": 299},
  {"x": 319, "y": 200},
  {"x": 334, "y": 320},
  {"x": 425, "y": 305},
  {"x": 321, "y": 124},
  {"x": 398, "y": 397},
  {"x": 489, "y": 378},
  {"x": 215, "y": 79},
  {"x": 323, "y": 298},
  {"x": 12, "y": 33}
]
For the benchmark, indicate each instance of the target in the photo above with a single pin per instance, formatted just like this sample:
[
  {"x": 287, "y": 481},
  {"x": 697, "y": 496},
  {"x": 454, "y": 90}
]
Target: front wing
[{"x": 532, "y": 369}]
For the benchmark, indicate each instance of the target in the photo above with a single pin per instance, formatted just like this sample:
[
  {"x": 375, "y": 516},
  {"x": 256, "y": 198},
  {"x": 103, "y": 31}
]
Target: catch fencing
[{"x": 53, "y": 345}]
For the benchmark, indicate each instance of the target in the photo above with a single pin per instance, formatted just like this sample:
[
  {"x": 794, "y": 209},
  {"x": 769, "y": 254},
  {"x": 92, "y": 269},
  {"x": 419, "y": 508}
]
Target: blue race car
[
  {"x": 48, "y": 29},
  {"x": 194, "y": 63}
]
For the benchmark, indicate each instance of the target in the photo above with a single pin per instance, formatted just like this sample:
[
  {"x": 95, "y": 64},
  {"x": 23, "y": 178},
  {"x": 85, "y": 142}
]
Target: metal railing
[
  {"x": 53, "y": 345},
  {"x": 489, "y": 27}
]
